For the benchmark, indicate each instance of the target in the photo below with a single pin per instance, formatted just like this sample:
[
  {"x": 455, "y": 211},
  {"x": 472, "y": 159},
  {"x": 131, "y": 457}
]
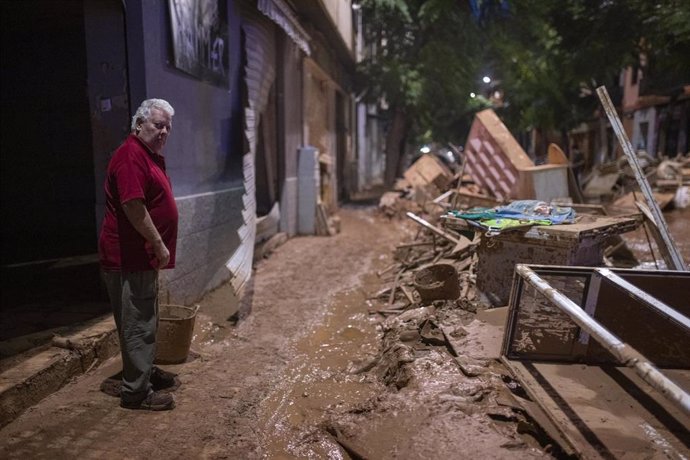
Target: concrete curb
[{"x": 42, "y": 374}]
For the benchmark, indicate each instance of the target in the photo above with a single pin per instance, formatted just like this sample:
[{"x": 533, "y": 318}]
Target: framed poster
[{"x": 200, "y": 38}]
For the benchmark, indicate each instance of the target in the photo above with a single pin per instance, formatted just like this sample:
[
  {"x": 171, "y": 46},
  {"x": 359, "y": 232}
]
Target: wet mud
[
  {"x": 398, "y": 386},
  {"x": 424, "y": 383},
  {"x": 309, "y": 369},
  {"x": 643, "y": 246}
]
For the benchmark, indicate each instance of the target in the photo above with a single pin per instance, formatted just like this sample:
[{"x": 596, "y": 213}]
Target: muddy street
[
  {"x": 315, "y": 368},
  {"x": 300, "y": 371},
  {"x": 364, "y": 229}
]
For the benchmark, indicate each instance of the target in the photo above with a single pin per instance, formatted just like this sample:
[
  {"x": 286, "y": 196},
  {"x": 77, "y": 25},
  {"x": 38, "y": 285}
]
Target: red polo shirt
[{"x": 135, "y": 172}]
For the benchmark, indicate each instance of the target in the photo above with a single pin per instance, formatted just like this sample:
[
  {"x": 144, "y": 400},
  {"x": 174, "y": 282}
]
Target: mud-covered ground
[{"x": 308, "y": 372}]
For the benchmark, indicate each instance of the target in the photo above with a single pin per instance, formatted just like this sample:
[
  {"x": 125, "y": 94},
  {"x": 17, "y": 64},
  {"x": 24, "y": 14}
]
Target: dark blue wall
[{"x": 204, "y": 153}]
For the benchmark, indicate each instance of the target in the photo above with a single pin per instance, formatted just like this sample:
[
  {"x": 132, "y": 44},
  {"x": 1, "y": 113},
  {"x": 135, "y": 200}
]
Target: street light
[
  {"x": 472, "y": 95},
  {"x": 486, "y": 79}
]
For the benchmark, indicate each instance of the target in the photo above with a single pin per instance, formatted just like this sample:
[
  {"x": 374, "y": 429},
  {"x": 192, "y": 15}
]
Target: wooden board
[
  {"x": 504, "y": 139},
  {"x": 555, "y": 155},
  {"x": 628, "y": 200},
  {"x": 608, "y": 412},
  {"x": 493, "y": 157},
  {"x": 589, "y": 226},
  {"x": 427, "y": 170}
]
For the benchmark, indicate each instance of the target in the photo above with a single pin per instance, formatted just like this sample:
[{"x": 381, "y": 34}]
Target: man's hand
[
  {"x": 162, "y": 254},
  {"x": 138, "y": 215}
]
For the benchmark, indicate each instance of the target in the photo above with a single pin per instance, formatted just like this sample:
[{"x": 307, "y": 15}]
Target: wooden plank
[
  {"x": 391, "y": 297},
  {"x": 504, "y": 139},
  {"x": 321, "y": 220},
  {"x": 443, "y": 196},
  {"x": 407, "y": 293},
  {"x": 590, "y": 225},
  {"x": 427, "y": 170},
  {"x": 628, "y": 200},
  {"x": 593, "y": 225},
  {"x": 433, "y": 228}
]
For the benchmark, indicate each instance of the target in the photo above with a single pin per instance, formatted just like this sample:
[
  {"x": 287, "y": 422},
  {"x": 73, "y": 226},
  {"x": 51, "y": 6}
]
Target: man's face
[{"x": 154, "y": 131}]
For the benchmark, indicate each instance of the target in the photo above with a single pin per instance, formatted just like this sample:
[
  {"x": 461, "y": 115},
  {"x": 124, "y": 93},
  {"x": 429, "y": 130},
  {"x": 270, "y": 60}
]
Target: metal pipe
[
  {"x": 676, "y": 260},
  {"x": 623, "y": 352},
  {"x": 434, "y": 229}
]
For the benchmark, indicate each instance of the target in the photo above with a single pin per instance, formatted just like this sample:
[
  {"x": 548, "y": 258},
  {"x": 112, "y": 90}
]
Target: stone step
[{"x": 32, "y": 376}]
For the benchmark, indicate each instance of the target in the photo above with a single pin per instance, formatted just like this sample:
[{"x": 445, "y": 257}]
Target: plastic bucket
[
  {"x": 175, "y": 330},
  {"x": 437, "y": 282}
]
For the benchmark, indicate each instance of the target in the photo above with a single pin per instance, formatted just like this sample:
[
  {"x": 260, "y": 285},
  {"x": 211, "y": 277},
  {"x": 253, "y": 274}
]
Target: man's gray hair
[{"x": 144, "y": 110}]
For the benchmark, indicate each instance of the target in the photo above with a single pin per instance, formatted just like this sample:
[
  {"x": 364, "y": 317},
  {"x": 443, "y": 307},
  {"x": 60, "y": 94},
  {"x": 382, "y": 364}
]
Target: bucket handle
[{"x": 196, "y": 309}]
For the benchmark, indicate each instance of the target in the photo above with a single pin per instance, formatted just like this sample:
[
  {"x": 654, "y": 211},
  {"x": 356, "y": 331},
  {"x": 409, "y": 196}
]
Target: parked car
[{"x": 448, "y": 155}]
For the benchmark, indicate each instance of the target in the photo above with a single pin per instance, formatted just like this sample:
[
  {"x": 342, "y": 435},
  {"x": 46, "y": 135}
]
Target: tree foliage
[
  {"x": 548, "y": 56},
  {"x": 551, "y": 56},
  {"x": 423, "y": 62}
]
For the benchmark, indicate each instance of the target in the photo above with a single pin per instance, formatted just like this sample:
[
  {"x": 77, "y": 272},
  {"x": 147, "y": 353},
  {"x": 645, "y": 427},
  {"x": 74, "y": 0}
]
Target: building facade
[{"x": 252, "y": 83}]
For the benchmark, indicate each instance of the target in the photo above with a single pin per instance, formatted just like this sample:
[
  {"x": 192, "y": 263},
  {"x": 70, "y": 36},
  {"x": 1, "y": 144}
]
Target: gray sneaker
[{"x": 154, "y": 401}]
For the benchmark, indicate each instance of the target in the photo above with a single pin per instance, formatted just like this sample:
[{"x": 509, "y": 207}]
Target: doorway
[{"x": 48, "y": 194}]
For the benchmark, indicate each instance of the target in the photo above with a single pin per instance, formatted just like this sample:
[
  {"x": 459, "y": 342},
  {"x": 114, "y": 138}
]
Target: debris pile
[
  {"x": 446, "y": 286},
  {"x": 435, "y": 359},
  {"x": 432, "y": 248},
  {"x": 615, "y": 182}
]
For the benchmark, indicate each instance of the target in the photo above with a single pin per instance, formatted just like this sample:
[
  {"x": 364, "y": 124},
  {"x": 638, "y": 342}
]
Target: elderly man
[{"x": 137, "y": 240}]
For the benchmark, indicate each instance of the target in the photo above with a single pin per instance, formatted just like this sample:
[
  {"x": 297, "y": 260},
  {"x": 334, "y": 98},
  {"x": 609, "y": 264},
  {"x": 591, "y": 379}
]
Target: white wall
[{"x": 340, "y": 12}]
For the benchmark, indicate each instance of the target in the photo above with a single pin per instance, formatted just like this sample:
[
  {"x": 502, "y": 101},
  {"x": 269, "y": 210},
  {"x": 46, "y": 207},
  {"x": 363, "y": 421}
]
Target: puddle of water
[{"x": 318, "y": 380}]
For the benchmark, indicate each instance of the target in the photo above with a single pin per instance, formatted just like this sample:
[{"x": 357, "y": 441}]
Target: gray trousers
[{"x": 134, "y": 298}]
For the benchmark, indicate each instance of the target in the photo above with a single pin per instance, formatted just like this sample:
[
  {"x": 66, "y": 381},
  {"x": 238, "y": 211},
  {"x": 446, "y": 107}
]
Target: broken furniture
[
  {"x": 582, "y": 243},
  {"x": 428, "y": 170},
  {"x": 496, "y": 162},
  {"x": 605, "y": 354},
  {"x": 464, "y": 247}
]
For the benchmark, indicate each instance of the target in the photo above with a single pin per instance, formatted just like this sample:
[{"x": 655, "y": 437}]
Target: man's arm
[{"x": 139, "y": 217}]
